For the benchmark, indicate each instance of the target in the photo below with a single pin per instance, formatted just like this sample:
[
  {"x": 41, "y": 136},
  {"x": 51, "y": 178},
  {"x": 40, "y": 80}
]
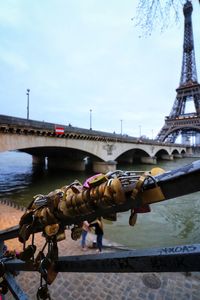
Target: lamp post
[
  {"x": 27, "y": 93},
  {"x": 152, "y": 133},
  {"x": 140, "y": 130},
  {"x": 121, "y": 126},
  {"x": 90, "y": 119}
]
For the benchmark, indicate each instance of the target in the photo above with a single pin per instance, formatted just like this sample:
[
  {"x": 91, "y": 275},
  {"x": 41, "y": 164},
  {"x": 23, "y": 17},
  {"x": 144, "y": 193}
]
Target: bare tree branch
[{"x": 152, "y": 14}]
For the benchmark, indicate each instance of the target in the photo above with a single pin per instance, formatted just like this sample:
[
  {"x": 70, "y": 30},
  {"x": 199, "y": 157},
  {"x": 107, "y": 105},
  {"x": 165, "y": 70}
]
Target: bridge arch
[
  {"x": 164, "y": 155},
  {"x": 59, "y": 152},
  {"x": 175, "y": 151},
  {"x": 63, "y": 157},
  {"x": 132, "y": 155},
  {"x": 178, "y": 129}
]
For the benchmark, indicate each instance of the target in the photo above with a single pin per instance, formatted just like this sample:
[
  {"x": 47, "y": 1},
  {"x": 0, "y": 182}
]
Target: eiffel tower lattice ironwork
[{"x": 179, "y": 122}]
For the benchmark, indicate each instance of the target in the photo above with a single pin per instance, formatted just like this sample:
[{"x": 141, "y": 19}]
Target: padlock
[
  {"x": 28, "y": 253},
  {"x": 51, "y": 273},
  {"x": 76, "y": 233},
  {"x": 27, "y": 217},
  {"x": 25, "y": 232},
  {"x": 43, "y": 293},
  {"x": 95, "y": 180},
  {"x": 3, "y": 287},
  {"x": 51, "y": 230},
  {"x": 60, "y": 235},
  {"x": 47, "y": 270},
  {"x": 53, "y": 251},
  {"x": 40, "y": 256},
  {"x": 133, "y": 218},
  {"x": 43, "y": 266}
]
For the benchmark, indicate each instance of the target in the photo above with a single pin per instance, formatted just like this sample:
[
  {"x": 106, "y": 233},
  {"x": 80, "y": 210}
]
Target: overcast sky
[{"x": 82, "y": 55}]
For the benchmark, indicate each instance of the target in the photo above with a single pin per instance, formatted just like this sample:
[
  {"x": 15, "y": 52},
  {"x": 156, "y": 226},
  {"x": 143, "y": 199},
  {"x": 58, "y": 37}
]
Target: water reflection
[{"x": 170, "y": 223}]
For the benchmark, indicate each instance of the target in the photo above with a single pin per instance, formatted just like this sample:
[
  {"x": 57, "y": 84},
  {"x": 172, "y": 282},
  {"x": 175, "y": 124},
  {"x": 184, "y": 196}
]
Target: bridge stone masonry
[{"x": 72, "y": 147}]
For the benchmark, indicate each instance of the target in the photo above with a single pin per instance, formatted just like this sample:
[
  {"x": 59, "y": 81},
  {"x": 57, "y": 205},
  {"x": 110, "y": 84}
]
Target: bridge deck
[{"x": 9, "y": 124}]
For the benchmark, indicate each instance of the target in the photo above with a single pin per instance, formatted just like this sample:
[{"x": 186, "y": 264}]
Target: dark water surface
[{"x": 172, "y": 222}]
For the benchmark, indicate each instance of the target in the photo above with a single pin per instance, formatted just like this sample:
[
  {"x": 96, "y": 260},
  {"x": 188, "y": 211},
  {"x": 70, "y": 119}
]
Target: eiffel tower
[{"x": 180, "y": 123}]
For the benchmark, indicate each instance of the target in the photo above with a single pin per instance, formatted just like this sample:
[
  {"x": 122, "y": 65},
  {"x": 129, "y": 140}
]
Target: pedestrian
[
  {"x": 85, "y": 229},
  {"x": 98, "y": 225}
]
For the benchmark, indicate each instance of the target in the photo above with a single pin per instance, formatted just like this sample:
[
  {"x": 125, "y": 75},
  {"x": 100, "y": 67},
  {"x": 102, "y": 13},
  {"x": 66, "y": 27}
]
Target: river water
[{"x": 169, "y": 223}]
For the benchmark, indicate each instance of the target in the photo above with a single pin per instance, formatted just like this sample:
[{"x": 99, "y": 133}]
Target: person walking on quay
[
  {"x": 98, "y": 225},
  {"x": 85, "y": 229}
]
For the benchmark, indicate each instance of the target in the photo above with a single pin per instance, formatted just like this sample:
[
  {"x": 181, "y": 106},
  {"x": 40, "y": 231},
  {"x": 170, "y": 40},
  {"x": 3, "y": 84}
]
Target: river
[{"x": 169, "y": 223}]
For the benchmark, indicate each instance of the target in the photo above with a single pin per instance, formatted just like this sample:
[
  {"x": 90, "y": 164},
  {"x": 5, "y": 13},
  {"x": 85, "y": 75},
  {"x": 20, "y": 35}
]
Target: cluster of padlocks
[{"x": 100, "y": 196}]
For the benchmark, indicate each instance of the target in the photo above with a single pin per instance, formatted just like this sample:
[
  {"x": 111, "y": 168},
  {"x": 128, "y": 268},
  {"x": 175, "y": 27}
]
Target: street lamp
[
  {"x": 121, "y": 126},
  {"x": 27, "y": 93},
  {"x": 90, "y": 119},
  {"x": 140, "y": 130},
  {"x": 152, "y": 133}
]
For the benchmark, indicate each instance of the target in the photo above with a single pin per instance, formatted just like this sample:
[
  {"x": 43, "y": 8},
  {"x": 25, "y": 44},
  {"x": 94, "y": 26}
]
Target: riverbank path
[{"x": 100, "y": 286}]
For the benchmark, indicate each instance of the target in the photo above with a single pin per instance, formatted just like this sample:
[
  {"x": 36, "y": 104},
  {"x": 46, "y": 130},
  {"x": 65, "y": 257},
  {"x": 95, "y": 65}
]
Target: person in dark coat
[{"x": 98, "y": 226}]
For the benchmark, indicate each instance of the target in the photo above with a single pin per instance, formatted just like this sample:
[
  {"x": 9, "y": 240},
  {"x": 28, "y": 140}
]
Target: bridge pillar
[
  {"x": 189, "y": 152},
  {"x": 104, "y": 166},
  {"x": 149, "y": 160},
  {"x": 177, "y": 155},
  {"x": 167, "y": 157},
  {"x": 38, "y": 160},
  {"x": 127, "y": 160},
  {"x": 67, "y": 164}
]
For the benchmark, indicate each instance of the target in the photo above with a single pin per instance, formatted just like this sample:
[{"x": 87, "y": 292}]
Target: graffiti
[{"x": 178, "y": 249}]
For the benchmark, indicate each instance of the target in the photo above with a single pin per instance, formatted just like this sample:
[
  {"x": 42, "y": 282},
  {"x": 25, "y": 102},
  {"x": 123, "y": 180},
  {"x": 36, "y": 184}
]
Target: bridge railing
[
  {"x": 181, "y": 258},
  {"x": 9, "y": 121}
]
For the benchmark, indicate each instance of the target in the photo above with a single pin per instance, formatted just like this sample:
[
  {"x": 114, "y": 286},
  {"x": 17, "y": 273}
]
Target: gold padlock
[{"x": 52, "y": 229}]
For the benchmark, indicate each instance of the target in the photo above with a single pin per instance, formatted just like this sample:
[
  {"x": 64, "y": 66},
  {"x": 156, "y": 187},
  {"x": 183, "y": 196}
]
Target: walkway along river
[{"x": 169, "y": 223}]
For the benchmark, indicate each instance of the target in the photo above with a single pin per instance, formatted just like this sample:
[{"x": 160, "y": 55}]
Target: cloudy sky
[{"x": 82, "y": 55}]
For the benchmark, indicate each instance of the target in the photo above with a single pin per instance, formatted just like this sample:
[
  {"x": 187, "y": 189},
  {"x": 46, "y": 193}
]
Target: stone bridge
[{"x": 72, "y": 147}]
